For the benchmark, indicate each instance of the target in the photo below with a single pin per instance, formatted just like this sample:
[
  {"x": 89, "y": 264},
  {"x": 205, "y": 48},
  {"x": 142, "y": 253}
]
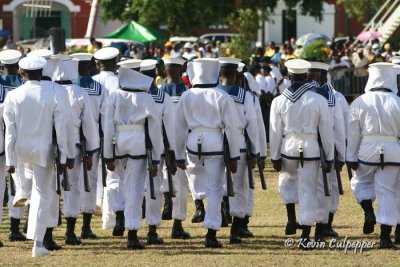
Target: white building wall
[{"x": 101, "y": 28}]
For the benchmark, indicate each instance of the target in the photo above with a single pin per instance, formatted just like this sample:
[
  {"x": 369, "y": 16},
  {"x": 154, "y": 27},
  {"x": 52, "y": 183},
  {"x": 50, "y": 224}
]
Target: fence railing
[{"x": 350, "y": 82}]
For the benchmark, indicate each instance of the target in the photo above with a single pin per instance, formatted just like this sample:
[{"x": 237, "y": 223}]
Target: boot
[
  {"x": 133, "y": 241},
  {"x": 397, "y": 235},
  {"x": 305, "y": 238},
  {"x": 211, "y": 240},
  {"x": 291, "y": 225},
  {"x": 15, "y": 234},
  {"x": 48, "y": 241},
  {"x": 152, "y": 236},
  {"x": 86, "y": 230},
  {"x": 224, "y": 219},
  {"x": 235, "y": 229},
  {"x": 1, "y": 244},
  {"x": 227, "y": 209},
  {"x": 178, "y": 232},
  {"x": 369, "y": 216},
  {"x": 200, "y": 212},
  {"x": 167, "y": 212},
  {"x": 329, "y": 232},
  {"x": 319, "y": 232},
  {"x": 244, "y": 230},
  {"x": 119, "y": 227},
  {"x": 385, "y": 241},
  {"x": 70, "y": 237}
]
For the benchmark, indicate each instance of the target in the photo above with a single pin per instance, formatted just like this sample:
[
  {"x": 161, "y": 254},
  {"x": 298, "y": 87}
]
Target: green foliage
[
  {"x": 360, "y": 8},
  {"x": 316, "y": 51}
]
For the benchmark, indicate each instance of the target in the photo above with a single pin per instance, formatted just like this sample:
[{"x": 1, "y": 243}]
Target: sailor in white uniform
[
  {"x": 298, "y": 116},
  {"x": 203, "y": 114},
  {"x": 374, "y": 150},
  {"x": 130, "y": 110},
  {"x": 29, "y": 140}
]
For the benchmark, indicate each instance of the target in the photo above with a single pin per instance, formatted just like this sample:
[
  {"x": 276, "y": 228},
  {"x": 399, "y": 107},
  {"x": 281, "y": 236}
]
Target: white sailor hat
[
  {"x": 61, "y": 57},
  {"x": 50, "y": 67},
  {"x": 396, "y": 69},
  {"x": 10, "y": 56},
  {"x": 319, "y": 66},
  {"x": 134, "y": 80},
  {"x": 148, "y": 64},
  {"x": 82, "y": 56},
  {"x": 188, "y": 45},
  {"x": 174, "y": 62},
  {"x": 66, "y": 70},
  {"x": 297, "y": 66},
  {"x": 106, "y": 53},
  {"x": 130, "y": 63},
  {"x": 240, "y": 67},
  {"x": 45, "y": 53},
  {"x": 381, "y": 75},
  {"x": 32, "y": 63},
  {"x": 396, "y": 60},
  {"x": 205, "y": 71},
  {"x": 229, "y": 62}
]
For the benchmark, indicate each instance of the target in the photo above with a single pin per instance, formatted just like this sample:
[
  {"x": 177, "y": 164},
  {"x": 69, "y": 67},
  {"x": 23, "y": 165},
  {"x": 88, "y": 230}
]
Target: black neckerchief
[
  {"x": 206, "y": 85},
  {"x": 381, "y": 89},
  {"x": 64, "y": 82}
]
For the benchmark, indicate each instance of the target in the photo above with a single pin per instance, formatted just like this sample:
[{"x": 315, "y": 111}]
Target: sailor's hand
[
  {"x": 181, "y": 165},
  {"x": 353, "y": 165},
  {"x": 70, "y": 164},
  {"x": 253, "y": 163},
  {"x": 10, "y": 169},
  {"x": 339, "y": 165},
  {"x": 154, "y": 170},
  {"x": 328, "y": 166},
  {"x": 60, "y": 168},
  {"x": 89, "y": 162},
  {"x": 277, "y": 165},
  {"x": 110, "y": 166},
  {"x": 234, "y": 166}
]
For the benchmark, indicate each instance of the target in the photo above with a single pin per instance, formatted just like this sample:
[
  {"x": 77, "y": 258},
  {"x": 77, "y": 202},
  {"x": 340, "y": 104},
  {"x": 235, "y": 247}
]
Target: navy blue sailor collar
[
  {"x": 296, "y": 90},
  {"x": 237, "y": 93}
]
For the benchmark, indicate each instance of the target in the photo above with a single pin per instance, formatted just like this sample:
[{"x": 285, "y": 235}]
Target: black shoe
[
  {"x": 48, "y": 241},
  {"x": 385, "y": 242},
  {"x": 291, "y": 228},
  {"x": 178, "y": 232},
  {"x": 71, "y": 239},
  {"x": 167, "y": 212},
  {"x": 152, "y": 236},
  {"x": 211, "y": 240},
  {"x": 86, "y": 230},
  {"x": 119, "y": 227},
  {"x": 1, "y": 244},
  {"x": 245, "y": 233},
  {"x": 305, "y": 244},
  {"x": 200, "y": 212},
  {"x": 330, "y": 233},
  {"x": 319, "y": 232},
  {"x": 397, "y": 235},
  {"x": 133, "y": 241},
  {"x": 16, "y": 236},
  {"x": 237, "y": 225},
  {"x": 369, "y": 223}
]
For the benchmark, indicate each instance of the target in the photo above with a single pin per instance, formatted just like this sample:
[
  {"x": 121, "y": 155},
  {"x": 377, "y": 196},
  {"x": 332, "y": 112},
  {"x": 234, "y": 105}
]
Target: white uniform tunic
[
  {"x": 247, "y": 121},
  {"x": 296, "y": 117},
  {"x": 180, "y": 179},
  {"x": 206, "y": 112},
  {"x": 374, "y": 126},
  {"x": 81, "y": 116},
  {"x": 125, "y": 119},
  {"x": 30, "y": 112},
  {"x": 3, "y": 93}
]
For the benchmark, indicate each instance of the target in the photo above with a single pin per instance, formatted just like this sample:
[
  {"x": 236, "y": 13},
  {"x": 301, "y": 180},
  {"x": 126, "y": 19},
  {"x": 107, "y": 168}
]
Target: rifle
[
  {"x": 149, "y": 151},
  {"x": 82, "y": 138},
  {"x": 349, "y": 172},
  {"x": 323, "y": 166},
  {"x": 12, "y": 185},
  {"x": 227, "y": 162},
  {"x": 168, "y": 162},
  {"x": 338, "y": 177},
  {"x": 248, "y": 160},
  {"x": 103, "y": 164},
  {"x": 65, "y": 182},
  {"x": 261, "y": 171}
]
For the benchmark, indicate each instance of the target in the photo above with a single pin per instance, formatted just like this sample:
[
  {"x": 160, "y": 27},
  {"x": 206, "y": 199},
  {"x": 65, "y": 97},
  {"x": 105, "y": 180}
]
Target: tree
[
  {"x": 186, "y": 17},
  {"x": 359, "y": 8}
]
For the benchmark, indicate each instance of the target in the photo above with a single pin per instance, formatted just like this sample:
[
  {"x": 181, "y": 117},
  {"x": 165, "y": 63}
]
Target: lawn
[{"x": 266, "y": 249}]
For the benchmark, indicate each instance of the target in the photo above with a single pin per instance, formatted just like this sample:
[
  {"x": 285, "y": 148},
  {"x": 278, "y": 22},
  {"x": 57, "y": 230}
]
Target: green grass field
[{"x": 266, "y": 249}]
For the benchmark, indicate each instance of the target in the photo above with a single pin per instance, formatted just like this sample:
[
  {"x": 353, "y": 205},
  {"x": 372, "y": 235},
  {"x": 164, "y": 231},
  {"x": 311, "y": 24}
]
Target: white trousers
[
  {"x": 238, "y": 205},
  {"x": 72, "y": 199},
  {"x": 363, "y": 184},
  {"x": 179, "y": 202},
  {"x": 197, "y": 185},
  {"x": 334, "y": 205},
  {"x": 2, "y": 184},
  {"x": 153, "y": 206},
  {"x": 210, "y": 172},
  {"x": 324, "y": 202},
  {"x": 41, "y": 202},
  {"x": 21, "y": 188},
  {"x": 288, "y": 182},
  {"x": 88, "y": 199},
  {"x": 134, "y": 175}
]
